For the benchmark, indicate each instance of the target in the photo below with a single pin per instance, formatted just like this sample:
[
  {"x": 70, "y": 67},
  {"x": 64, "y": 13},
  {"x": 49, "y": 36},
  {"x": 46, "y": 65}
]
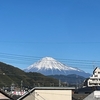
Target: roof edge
[{"x": 45, "y": 88}]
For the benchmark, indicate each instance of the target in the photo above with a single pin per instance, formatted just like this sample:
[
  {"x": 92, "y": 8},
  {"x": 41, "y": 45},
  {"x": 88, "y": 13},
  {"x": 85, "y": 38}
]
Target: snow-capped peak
[
  {"x": 50, "y": 63},
  {"x": 50, "y": 66}
]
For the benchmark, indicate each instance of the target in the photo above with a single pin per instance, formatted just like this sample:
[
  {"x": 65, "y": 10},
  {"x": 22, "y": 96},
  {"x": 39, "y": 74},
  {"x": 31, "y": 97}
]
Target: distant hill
[
  {"x": 71, "y": 79},
  {"x": 13, "y": 75}
]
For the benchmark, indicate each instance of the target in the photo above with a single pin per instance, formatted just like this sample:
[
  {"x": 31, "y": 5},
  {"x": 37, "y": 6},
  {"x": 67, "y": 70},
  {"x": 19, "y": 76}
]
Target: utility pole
[
  {"x": 59, "y": 83},
  {"x": 21, "y": 84}
]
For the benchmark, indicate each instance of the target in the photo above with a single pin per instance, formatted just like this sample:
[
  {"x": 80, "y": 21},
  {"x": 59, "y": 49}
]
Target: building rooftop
[{"x": 45, "y": 88}]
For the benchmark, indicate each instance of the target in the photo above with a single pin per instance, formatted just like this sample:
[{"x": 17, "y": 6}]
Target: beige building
[
  {"x": 94, "y": 80},
  {"x": 48, "y": 93},
  {"x": 5, "y": 96}
]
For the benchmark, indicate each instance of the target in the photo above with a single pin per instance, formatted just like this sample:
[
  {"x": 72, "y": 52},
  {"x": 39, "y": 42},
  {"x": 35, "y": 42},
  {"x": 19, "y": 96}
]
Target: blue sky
[{"x": 64, "y": 29}]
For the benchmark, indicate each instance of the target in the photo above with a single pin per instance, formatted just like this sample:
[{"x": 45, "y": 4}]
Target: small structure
[
  {"x": 94, "y": 80},
  {"x": 5, "y": 96},
  {"x": 93, "y": 96},
  {"x": 91, "y": 88},
  {"x": 48, "y": 93}
]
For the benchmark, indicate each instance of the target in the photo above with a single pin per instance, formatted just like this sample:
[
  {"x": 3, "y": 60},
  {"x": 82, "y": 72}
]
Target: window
[{"x": 95, "y": 75}]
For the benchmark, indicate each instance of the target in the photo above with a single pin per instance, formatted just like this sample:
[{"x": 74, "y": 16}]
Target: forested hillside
[{"x": 13, "y": 75}]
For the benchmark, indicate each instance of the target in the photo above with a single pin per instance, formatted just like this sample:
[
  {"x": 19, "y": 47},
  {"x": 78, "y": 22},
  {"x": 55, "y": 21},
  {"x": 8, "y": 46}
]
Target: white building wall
[
  {"x": 94, "y": 80},
  {"x": 50, "y": 95}
]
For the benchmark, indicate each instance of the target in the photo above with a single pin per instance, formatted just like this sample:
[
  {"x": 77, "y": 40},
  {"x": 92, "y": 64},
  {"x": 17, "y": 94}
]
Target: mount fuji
[{"x": 50, "y": 66}]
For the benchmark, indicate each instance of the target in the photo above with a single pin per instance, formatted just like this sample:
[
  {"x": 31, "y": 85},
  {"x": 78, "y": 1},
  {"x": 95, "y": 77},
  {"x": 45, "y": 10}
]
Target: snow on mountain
[{"x": 50, "y": 66}]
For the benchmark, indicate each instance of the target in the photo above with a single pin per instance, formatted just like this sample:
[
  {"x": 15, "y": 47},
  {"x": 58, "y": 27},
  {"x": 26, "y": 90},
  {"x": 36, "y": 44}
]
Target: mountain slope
[
  {"x": 50, "y": 66},
  {"x": 10, "y": 74}
]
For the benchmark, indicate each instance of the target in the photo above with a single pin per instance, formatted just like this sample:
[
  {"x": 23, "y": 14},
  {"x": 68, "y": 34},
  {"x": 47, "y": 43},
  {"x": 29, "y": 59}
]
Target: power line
[
  {"x": 23, "y": 59},
  {"x": 51, "y": 42},
  {"x": 28, "y": 57}
]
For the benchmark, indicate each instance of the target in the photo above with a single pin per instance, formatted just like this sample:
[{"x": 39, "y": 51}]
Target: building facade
[
  {"x": 93, "y": 96},
  {"x": 94, "y": 80},
  {"x": 48, "y": 93}
]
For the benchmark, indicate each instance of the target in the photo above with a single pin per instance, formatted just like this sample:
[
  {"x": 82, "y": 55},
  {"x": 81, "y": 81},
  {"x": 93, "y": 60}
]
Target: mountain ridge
[
  {"x": 13, "y": 75},
  {"x": 50, "y": 66}
]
